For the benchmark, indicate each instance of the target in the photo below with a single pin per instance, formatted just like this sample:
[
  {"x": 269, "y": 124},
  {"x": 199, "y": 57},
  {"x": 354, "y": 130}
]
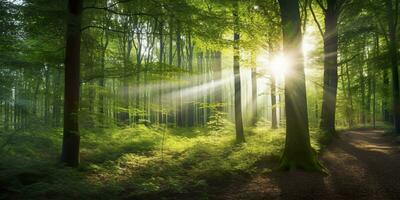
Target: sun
[{"x": 277, "y": 65}]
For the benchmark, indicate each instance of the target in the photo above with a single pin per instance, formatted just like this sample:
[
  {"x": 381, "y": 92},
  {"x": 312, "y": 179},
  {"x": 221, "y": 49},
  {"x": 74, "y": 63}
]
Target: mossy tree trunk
[{"x": 298, "y": 152}]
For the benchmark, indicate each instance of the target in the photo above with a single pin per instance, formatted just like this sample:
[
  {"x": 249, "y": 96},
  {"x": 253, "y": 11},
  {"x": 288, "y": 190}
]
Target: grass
[{"x": 135, "y": 163}]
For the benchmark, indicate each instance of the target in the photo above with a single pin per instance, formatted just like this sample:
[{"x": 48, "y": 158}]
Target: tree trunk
[
  {"x": 350, "y": 95},
  {"x": 124, "y": 113},
  {"x": 160, "y": 113},
  {"x": 298, "y": 152},
  {"x": 217, "y": 78},
  {"x": 71, "y": 136},
  {"x": 330, "y": 69},
  {"x": 190, "y": 107},
  {"x": 179, "y": 111},
  {"x": 346, "y": 96},
  {"x": 47, "y": 96},
  {"x": 385, "y": 93},
  {"x": 362, "y": 91},
  {"x": 236, "y": 71},
  {"x": 57, "y": 98},
  {"x": 6, "y": 114},
  {"x": 254, "y": 95},
  {"x": 274, "y": 120},
  {"x": 102, "y": 81},
  {"x": 394, "y": 65}
]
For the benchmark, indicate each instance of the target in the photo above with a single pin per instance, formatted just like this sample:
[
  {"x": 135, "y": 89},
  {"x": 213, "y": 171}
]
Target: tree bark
[
  {"x": 298, "y": 152},
  {"x": 394, "y": 64},
  {"x": 71, "y": 136},
  {"x": 236, "y": 70},
  {"x": 330, "y": 68}
]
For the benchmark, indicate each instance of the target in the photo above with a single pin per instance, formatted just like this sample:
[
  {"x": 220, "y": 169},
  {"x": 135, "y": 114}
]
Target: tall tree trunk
[
  {"x": 179, "y": 111},
  {"x": 298, "y": 152},
  {"x": 102, "y": 81},
  {"x": 190, "y": 107},
  {"x": 394, "y": 63},
  {"x": 160, "y": 94},
  {"x": 171, "y": 36},
  {"x": 362, "y": 91},
  {"x": 254, "y": 95},
  {"x": 47, "y": 95},
  {"x": 71, "y": 136},
  {"x": 217, "y": 78},
  {"x": 236, "y": 72},
  {"x": 57, "y": 92},
  {"x": 350, "y": 95},
  {"x": 330, "y": 68},
  {"x": 374, "y": 100},
  {"x": 274, "y": 120},
  {"x": 6, "y": 114},
  {"x": 124, "y": 114},
  {"x": 347, "y": 108},
  {"x": 385, "y": 93}
]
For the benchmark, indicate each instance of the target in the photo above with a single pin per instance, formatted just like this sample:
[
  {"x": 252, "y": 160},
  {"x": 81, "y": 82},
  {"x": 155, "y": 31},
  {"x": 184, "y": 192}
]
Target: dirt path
[{"x": 362, "y": 165}]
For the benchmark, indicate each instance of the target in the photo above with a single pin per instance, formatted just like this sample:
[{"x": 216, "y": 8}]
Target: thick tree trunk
[
  {"x": 330, "y": 69},
  {"x": 298, "y": 152},
  {"x": 71, "y": 137},
  {"x": 394, "y": 64}
]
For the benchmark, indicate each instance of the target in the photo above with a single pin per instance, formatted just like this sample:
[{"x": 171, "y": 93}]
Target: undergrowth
[{"x": 139, "y": 162}]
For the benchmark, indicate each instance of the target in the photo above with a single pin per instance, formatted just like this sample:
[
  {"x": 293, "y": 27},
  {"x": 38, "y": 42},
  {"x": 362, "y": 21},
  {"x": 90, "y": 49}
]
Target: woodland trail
[{"x": 362, "y": 165}]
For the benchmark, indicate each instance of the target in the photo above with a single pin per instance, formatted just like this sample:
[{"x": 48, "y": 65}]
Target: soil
[{"x": 362, "y": 164}]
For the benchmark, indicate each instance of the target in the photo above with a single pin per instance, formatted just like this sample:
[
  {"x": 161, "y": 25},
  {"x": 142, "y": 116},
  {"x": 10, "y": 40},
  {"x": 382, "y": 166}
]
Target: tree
[
  {"x": 236, "y": 72},
  {"x": 71, "y": 136},
  {"x": 330, "y": 83},
  {"x": 392, "y": 18},
  {"x": 274, "y": 120},
  {"x": 298, "y": 152}
]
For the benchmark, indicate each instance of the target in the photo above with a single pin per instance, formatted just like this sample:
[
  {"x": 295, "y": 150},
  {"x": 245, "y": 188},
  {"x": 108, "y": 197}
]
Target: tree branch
[
  {"x": 316, "y": 20},
  {"x": 321, "y": 5}
]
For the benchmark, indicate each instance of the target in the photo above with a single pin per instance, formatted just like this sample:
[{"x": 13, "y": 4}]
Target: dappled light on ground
[{"x": 355, "y": 172}]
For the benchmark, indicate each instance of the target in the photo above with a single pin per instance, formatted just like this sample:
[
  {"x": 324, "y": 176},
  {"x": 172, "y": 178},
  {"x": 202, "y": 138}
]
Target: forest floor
[{"x": 362, "y": 164}]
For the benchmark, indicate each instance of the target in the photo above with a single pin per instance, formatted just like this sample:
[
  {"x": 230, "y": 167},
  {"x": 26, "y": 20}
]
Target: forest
[{"x": 199, "y": 99}]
